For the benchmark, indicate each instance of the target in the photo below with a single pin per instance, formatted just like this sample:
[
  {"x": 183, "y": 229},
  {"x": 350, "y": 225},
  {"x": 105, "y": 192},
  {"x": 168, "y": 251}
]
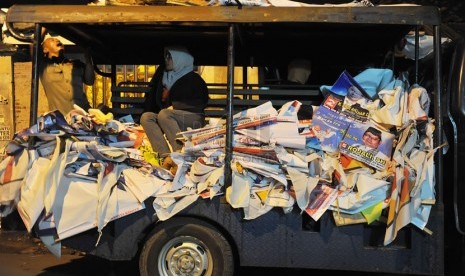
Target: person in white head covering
[
  {"x": 299, "y": 70},
  {"x": 177, "y": 100}
]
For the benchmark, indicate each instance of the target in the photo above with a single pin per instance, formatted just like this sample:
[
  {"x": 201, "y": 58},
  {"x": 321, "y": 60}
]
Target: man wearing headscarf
[{"x": 177, "y": 100}]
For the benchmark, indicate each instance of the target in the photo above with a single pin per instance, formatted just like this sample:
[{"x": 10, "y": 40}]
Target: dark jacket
[{"x": 189, "y": 93}]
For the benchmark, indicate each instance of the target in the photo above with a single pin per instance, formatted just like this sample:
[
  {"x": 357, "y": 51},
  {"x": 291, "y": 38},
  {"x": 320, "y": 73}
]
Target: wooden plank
[{"x": 414, "y": 15}]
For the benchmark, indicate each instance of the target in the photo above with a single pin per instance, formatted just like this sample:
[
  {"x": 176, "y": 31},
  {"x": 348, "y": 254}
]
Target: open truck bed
[{"x": 335, "y": 39}]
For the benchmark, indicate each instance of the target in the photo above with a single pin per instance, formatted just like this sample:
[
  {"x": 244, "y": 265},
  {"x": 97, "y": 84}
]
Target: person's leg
[
  {"x": 174, "y": 121},
  {"x": 149, "y": 121}
]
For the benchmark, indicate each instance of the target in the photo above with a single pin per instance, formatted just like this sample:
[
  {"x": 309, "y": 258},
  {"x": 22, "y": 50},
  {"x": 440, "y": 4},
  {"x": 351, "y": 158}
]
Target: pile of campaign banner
[{"x": 362, "y": 151}]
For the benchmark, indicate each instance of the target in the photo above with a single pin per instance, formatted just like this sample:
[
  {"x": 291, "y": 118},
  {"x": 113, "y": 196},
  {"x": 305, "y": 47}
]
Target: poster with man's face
[
  {"x": 356, "y": 106},
  {"x": 367, "y": 144}
]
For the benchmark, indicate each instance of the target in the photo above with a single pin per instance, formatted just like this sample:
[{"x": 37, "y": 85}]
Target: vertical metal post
[
  {"x": 35, "y": 75},
  {"x": 134, "y": 73},
  {"x": 104, "y": 87},
  {"x": 438, "y": 158},
  {"x": 417, "y": 52},
  {"x": 94, "y": 93},
  {"x": 125, "y": 72},
  {"x": 245, "y": 80},
  {"x": 438, "y": 108},
  {"x": 13, "y": 96},
  {"x": 146, "y": 73},
  {"x": 113, "y": 83},
  {"x": 229, "y": 106}
]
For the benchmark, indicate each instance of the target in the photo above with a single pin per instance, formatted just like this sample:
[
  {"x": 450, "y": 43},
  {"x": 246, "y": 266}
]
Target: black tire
[{"x": 186, "y": 246}]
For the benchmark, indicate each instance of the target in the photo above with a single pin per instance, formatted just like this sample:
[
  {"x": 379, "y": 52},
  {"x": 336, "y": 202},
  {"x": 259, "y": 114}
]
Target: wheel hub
[
  {"x": 185, "y": 262},
  {"x": 186, "y": 258}
]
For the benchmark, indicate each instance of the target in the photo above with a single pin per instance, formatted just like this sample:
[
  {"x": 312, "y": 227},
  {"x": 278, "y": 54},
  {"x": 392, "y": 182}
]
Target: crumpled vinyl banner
[
  {"x": 201, "y": 170},
  {"x": 303, "y": 186},
  {"x": 93, "y": 151},
  {"x": 418, "y": 103},
  {"x": 75, "y": 206},
  {"x": 168, "y": 191},
  {"x": 288, "y": 112},
  {"x": 121, "y": 202},
  {"x": 394, "y": 111},
  {"x": 56, "y": 171},
  {"x": 237, "y": 195},
  {"x": 31, "y": 203},
  {"x": 265, "y": 108},
  {"x": 286, "y": 134},
  {"x": 173, "y": 209},
  {"x": 370, "y": 192},
  {"x": 47, "y": 234},
  {"x": 291, "y": 160},
  {"x": 257, "y": 206},
  {"x": 278, "y": 196},
  {"x": 12, "y": 171},
  {"x": 214, "y": 184},
  {"x": 142, "y": 185},
  {"x": 54, "y": 120},
  {"x": 115, "y": 198}
]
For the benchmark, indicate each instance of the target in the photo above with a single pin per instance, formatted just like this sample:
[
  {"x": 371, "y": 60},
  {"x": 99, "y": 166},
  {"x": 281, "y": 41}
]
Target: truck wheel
[{"x": 186, "y": 246}]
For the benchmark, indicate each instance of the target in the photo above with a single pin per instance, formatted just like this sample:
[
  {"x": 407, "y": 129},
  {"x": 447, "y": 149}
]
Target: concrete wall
[{"x": 22, "y": 88}]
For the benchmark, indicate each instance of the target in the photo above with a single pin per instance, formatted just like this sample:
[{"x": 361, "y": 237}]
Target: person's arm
[
  {"x": 202, "y": 89},
  {"x": 89, "y": 73},
  {"x": 152, "y": 101},
  {"x": 205, "y": 93}
]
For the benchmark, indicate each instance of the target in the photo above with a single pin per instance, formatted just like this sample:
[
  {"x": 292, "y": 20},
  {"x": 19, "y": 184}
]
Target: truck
[{"x": 209, "y": 237}]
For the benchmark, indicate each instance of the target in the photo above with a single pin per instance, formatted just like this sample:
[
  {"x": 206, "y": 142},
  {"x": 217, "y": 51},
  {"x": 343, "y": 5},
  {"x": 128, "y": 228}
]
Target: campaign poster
[
  {"x": 356, "y": 106},
  {"x": 356, "y": 103},
  {"x": 368, "y": 144},
  {"x": 329, "y": 127},
  {"x": 333, "y": 102}
]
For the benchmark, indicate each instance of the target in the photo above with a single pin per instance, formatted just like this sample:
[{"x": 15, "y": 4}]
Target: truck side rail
[{"x": 128, "y": 97}]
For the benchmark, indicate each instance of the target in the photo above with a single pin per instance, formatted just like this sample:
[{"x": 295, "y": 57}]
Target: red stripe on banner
[{"x": 9, "y": 170}]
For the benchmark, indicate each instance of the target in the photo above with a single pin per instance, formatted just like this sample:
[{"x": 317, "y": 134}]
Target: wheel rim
[{"x": 185, "y": 256}]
